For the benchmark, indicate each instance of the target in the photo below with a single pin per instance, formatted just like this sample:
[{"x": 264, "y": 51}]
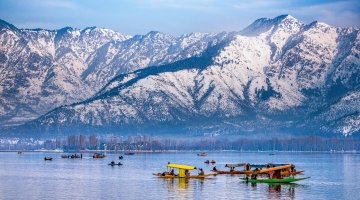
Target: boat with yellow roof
[{"x": 183, "y": 172}]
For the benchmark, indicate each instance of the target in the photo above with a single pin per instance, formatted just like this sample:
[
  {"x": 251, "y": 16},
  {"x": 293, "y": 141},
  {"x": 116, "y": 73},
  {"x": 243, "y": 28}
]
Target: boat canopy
[
  {"x": 264, "y": 165},
  {"x": 235, "y": 165},
  {"x": 275, "y": 168},
  {"x": 181, "y": 166}
]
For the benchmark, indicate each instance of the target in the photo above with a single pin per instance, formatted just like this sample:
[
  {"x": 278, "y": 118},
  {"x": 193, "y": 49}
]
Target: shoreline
[{"x": 173, "y": 151}]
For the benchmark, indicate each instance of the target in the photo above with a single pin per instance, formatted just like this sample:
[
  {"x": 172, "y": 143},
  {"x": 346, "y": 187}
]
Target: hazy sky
[{"x": 172, "y": 16}]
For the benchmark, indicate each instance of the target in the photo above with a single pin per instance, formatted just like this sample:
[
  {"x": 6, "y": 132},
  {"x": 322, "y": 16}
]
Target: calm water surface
[{"x": 28, "y": 176}]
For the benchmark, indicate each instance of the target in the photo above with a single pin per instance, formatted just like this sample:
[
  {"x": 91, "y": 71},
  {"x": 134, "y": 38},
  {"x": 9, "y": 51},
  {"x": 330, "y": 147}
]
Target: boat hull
[
  {"x": 115, "y": 164},
  {"x": 193, "y": 176},
  {"x": 274, "y": 180}
]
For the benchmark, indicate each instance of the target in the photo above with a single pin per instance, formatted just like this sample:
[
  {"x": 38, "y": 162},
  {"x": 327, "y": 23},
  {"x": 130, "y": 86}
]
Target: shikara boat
[
  {"x": 232, "y": 169},
  {"x": 262, "y": 171},
  {"x": 183, "y": 172},
  {"x": 202, "y": 154},
  {"x": 114, "y": 164},
  {"x": 267, "y": 170},
  {"x": 48, "y": 158},
  {"x": 98, "y": 155},
  {"x": 228, "y": 172},
  {"x": 274, "y": 180}
]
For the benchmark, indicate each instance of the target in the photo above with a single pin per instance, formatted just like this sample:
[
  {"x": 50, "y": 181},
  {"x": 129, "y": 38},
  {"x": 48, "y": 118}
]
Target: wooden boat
[
  {"x": 274, "y": 180},
  {"x": 264, "y": 171},
  {"x": 202, "y": 154},
  {"x": 284, "y": 173},
  {"x": 232, "y": 169},
  {"x": 113, "y": 164},
  {"x": 48, "y": 158},
  {"x": 97, "y": 155},
  {"x": 129, "y": 153},
  {"x": 228, "y": 172},
  {"x": 208, "y": 162},
  {"x": 64, "y": 156},
  {"x": 183, "y": 169},
  {"x": 20, "y": 152}
]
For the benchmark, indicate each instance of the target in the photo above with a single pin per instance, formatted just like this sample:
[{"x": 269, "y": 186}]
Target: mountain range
[{"x": 276, "y": 76}]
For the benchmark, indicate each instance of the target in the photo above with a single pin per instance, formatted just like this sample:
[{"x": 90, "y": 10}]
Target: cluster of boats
[
  {"x": 72, "y": 156},
  {"x": 210, "y": 162},
  {"x": 253, "y": 173},
  {"x": 95, "y": 155}
]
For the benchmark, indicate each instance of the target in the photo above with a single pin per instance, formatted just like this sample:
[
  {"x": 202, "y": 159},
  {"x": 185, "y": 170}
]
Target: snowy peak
[{"x": 263, "y": 25}]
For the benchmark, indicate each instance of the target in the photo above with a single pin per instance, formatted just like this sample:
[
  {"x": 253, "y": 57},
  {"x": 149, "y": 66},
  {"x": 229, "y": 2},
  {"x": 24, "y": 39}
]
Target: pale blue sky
[{"x": 172, "y": 16}]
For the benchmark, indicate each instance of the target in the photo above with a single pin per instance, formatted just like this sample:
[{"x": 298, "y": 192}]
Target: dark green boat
[{"x": 274, "y": 180}]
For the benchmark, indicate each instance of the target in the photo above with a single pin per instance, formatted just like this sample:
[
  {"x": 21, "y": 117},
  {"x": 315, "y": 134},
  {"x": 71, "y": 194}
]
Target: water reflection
[
  {"x": 275, "y": 190},
  {"x": 183, "y": 188},
  {"x": 183, "y": 183}
]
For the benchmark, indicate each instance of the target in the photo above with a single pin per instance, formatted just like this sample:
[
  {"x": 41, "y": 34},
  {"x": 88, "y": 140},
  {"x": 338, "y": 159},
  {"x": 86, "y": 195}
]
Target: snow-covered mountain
[
  {"x": 44, "y": 69},
  {"x": 277, "y": 75}
]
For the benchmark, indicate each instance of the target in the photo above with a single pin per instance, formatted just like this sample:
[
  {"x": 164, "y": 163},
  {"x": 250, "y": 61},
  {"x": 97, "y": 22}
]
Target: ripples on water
[{"x": 28, "y": 176}]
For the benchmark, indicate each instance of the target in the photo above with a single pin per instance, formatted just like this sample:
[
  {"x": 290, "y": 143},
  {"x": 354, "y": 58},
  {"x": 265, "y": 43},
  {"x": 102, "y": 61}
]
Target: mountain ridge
[{"x": 265, "y": 77}]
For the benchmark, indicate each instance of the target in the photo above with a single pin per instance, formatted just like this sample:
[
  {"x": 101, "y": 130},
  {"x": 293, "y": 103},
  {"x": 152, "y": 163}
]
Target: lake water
[{"x": 28, "y": 176}]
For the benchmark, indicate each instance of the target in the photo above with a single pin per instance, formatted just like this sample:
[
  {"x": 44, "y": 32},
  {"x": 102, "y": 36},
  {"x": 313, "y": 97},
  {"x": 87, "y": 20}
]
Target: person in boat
[
  {"x": 247, "y": 167},
  {"x": 121, "y": 157},
  {"x": 254, "y": 175},
  {"x": 292, "y": 168},
  {"x": 232, "y": 169},
  {"x": 277, "y": 174},
  {"x": 214, "y": 169},
  {"x": 172, "y": 172},
  {"x": 201, "y": 173},
  {"x": 187, "y": 173},
  {"x": 271, "y": 174},
  {"x": 113, "y": 162}
]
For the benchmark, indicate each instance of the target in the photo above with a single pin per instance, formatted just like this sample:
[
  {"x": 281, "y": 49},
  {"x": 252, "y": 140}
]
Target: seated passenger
[{"x": 201, "y": 173}]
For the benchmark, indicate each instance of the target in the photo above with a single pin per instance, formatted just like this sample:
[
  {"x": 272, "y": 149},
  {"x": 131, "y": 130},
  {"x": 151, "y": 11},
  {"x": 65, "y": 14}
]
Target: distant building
[{"x": 94, "y": 142}]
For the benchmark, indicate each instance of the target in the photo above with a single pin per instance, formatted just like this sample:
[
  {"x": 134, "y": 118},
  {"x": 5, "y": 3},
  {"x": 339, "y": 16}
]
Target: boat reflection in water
[
  {"x": 183, "y": 188},
  {"x": 277, "y": 190}
]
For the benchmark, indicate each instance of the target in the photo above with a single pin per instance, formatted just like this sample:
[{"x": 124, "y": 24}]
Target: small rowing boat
[
  {"x": 98, "y": 155},
  {"x": 48, "y": 158},
  {"x": 113, "y": 164}
]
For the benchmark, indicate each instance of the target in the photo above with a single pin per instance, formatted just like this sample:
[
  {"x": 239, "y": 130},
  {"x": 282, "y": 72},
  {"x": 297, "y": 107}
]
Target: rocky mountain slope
[
  {"x": 43, "y": 69},
  {"x": 277, "y": 75}
]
